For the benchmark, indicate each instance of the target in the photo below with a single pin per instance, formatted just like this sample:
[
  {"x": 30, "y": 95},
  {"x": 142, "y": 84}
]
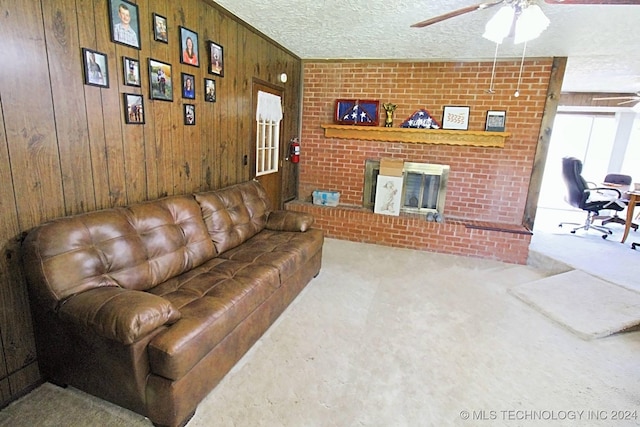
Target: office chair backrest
[
  {"x": 616, "y": 178},
  {"x": 571, "y": 173}
]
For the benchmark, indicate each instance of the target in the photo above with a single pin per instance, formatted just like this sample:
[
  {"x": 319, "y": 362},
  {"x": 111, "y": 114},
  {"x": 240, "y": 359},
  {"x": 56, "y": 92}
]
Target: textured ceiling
[{"x": 602, "y": 43}]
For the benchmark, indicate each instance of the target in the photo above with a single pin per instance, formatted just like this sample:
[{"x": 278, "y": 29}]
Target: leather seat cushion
[
  {"x": 286, "y": 251},
  {"x": 213, "y": 299}
]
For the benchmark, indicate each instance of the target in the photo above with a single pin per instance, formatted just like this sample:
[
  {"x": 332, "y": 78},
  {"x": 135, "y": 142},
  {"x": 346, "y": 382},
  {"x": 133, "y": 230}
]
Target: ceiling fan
[{"x": 518, "y": 4}]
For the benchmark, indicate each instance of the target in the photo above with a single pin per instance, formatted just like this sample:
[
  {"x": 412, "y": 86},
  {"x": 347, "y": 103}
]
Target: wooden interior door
[{"x": 272, "y": 182}]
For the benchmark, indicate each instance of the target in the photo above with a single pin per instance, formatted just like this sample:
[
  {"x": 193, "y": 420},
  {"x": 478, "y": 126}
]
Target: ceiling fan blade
[
  {"x": 609, "y": 98},
  {"x": 456, "y": 13},
  {"x": 627, "y": 102},
  {"x": 607, "y": 2}
]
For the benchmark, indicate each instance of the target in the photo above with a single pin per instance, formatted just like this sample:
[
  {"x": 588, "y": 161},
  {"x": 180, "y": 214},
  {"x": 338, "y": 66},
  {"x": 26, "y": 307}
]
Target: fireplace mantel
[{"x": 417, "y": 136}]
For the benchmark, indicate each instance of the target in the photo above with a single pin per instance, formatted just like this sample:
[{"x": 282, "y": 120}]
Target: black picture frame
[
  {"x": 160, "y": 80},
  {"x": 209, "y": 90},
  {"x": 188, "y": 86},
  {"x": 189, "y": 115},
  {"x": 190, "y": 58},
  {"x": 160, "y": 28},
  {"x": 124, "y": 23},
  {"x": 131, "y": 70},
  {"x": 96, "y": 68},
  {"x": 133, "y": 109},
  {"x": 455, "y": 117},
  {"x": 496, "y": 120},
  {"x": 216, "y": 58}
]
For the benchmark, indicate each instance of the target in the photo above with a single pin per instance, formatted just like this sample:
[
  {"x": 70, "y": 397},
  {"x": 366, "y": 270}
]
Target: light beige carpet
[
  {"x": 394, "y": 337},
  {"x": 586, "y": 305}
]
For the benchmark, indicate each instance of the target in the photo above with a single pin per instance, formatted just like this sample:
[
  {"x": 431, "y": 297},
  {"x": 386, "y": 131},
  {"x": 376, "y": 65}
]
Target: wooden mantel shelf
[{"x": 417, "y": 136}]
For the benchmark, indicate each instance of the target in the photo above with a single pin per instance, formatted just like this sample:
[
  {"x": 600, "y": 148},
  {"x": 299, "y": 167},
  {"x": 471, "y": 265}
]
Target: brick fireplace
[{"x": 487, "y": 186}]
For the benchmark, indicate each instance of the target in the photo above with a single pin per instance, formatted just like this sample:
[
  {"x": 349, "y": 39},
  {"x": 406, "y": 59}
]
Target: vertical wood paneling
[
  {"x": 65, "y": 147},
  {"x": 60, "y": 25},
  {"x": 30, "y": 172},
  {"x": 29, "y": 117}
]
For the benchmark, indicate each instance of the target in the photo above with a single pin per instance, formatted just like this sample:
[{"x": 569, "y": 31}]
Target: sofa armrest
[
  {"x": 289, "y": 221},
  {"x": 119, "y": 314}
]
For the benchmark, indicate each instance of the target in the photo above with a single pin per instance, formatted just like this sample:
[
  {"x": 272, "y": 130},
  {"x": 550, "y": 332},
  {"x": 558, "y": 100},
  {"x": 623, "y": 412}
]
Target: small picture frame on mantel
[
  {"x": 455, "y": 117},
  {"x": 495, "y": 121}
]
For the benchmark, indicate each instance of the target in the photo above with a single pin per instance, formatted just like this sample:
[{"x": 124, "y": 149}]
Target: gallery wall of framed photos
[{"x": 125, "y": 29}]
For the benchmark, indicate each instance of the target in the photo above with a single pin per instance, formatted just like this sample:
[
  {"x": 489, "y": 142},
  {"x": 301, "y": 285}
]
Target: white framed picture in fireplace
[{"x": 388, "y": 195}]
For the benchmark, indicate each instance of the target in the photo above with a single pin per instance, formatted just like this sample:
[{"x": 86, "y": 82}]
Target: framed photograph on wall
[
  {"x": 216, "y": 64},
  {"x": 456, "y": 118},
  {"x": 189, "y": 114},
  {"x": 133, "y": 109},
  {"x": 131, "y": 69},
  {"x": 188, "y": 86},
  {"x": 124, "y": 23},
  {"x": 96, "y": 71},
  {"x": 209, "y": 90},
  {"x": 160, "y": 80},
  {"x": 189, "y": 47},
  {"x": 160, "y": 28},
  {"x": 495, "y": 121}
]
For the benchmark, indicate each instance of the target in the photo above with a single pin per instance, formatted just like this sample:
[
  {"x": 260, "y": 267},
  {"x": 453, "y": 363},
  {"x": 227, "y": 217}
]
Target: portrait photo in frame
[
  {"x": 96, "y": 69},
  {"x": 216, "y": 59},
  {"x": 131, "y": 69},
  {"x": 455, "y": 117},
  {"x": 188, "y": 86},
  {"x": 124, "y": 23},
  {"x": 133, "y": 109},
  {"x": 160, "y": 33},
  {"x": 189, "y": 47},
  {"x": 495, "y": 121},
  {"x": 160, "y": 80},
  {"x": 189, "y": 114},
  {"x": 209, "y": 90}
]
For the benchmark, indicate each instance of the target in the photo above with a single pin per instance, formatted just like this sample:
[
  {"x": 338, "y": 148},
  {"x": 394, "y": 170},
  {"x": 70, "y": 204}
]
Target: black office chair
[
  {"x": 579, "y": 193},
  {"x": 625, "y": 181}
]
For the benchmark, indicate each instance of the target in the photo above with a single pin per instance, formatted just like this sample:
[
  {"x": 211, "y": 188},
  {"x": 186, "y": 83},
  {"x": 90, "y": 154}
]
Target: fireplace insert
[{"x": 423, "y": 190}]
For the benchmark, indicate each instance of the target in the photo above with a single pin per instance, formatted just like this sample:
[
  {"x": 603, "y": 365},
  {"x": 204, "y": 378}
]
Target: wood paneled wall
[{"x": 65, "y": 147}]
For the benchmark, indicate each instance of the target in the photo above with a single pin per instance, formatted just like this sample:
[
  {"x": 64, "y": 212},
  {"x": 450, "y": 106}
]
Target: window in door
[{"x": 268, "y": 117}]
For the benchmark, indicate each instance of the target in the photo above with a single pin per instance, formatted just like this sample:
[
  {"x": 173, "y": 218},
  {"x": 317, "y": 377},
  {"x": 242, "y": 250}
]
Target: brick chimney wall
[{"x": 485, "y": 184}]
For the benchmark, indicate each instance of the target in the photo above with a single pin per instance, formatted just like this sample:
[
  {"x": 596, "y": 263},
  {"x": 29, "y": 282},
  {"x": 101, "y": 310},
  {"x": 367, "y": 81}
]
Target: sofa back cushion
[
  {"x": 234, "y": 214},
  {"x": 134, "y": 248}
]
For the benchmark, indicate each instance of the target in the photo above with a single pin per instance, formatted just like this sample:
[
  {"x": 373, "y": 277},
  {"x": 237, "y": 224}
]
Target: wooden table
[{"x": 633, "y": 198}]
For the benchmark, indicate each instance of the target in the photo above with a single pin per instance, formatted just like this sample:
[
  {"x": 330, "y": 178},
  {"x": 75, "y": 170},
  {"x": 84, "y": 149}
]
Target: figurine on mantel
[{"x": 389, "y": 108}]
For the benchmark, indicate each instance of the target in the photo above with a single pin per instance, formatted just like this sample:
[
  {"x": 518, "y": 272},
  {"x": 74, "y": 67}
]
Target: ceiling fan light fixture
[
  {"x": 499, "y": 26},
  {"x": 530, "y": 24}
]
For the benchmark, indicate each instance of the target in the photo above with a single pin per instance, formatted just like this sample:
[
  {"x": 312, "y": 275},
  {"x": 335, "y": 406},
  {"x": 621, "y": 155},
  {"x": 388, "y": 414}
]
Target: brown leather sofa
[{"x": 149, "y": 306}]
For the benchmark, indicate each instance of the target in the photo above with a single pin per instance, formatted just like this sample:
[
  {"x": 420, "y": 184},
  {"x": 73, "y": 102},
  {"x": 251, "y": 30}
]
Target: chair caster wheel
[
  {"x": 604, "y": 236},
  {"x": 573, "y": 231},
  {"x": 633, "y": 246}
]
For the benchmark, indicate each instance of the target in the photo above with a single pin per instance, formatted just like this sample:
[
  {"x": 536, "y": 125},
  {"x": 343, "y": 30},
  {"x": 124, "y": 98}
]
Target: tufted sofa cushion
[
  {"x": 234, "y": 214},
  {"x": 134, "y": 248}
]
